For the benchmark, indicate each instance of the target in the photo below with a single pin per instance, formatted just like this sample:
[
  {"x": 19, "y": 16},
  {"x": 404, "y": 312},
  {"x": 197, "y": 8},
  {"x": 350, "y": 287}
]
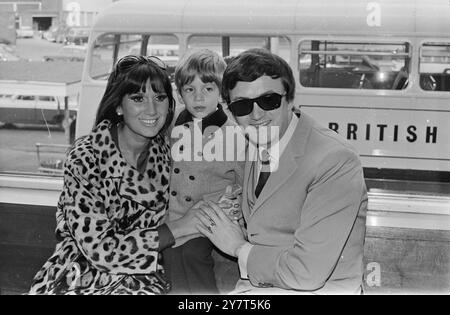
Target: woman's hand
[
  {"x": 187, "y": 225},
  {"x": 224, "y": 233}
]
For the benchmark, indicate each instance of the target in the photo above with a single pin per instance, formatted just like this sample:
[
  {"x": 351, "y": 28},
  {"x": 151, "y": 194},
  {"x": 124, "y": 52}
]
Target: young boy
[{"x": 198, "y": 78}]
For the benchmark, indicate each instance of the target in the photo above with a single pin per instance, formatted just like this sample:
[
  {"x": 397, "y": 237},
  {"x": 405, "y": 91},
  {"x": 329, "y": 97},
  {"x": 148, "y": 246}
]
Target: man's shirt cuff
[{"x": 243, "y": 253}]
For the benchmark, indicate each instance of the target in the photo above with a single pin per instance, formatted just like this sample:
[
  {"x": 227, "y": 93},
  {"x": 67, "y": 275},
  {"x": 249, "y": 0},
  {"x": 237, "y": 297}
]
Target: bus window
[
  {"x": 435, "y": 67},
  {"x": 350, "y": 65},
  {"x": 26, "y": 97},
  {"x": 111, "y": 47},
  {"x": 163, "y": 46},
  {"x": 108, "y": 49},
  {"x": 47, "y": 98},
  {"x": 229, "y": 47},
  {"x": 166, "y": 48}
]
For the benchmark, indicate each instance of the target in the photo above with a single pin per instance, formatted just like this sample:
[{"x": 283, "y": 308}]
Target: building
[{"x": 42, "y": 15}]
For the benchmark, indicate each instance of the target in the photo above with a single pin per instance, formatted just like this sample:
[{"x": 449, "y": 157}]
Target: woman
[{"x": 116, "y": 190}]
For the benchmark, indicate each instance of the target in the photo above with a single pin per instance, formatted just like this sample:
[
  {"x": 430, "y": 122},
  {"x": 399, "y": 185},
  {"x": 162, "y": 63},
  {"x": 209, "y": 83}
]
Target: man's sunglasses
[
  {"x": 130, "y": 60},
  {"x": 244, "y": 107}
]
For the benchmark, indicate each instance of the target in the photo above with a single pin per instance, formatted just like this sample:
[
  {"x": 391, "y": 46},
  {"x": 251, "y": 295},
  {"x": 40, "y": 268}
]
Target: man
[{"x": 304, "y": 203}]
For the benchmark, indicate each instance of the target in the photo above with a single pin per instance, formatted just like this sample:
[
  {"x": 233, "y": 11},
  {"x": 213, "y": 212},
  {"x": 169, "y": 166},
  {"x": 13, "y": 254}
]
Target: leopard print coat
[{"x": 107, "y": 219}]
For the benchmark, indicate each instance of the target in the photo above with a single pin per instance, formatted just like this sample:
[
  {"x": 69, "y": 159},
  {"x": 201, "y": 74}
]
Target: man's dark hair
[{"x": 253, "y": 64}]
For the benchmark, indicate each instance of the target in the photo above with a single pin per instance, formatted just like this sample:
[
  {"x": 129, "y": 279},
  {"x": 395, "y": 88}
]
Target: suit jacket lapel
[
  {"x": 286, "y": 169},
  {"x": 288, "y": 163}
]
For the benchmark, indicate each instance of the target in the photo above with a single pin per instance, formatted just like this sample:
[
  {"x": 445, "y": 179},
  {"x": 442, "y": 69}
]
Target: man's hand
[{"x": 215, "y": 225}]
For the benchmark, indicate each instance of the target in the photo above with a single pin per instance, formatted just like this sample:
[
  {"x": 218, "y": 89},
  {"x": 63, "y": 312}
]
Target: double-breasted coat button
[
  {"x": 188, "y": 199},
  {"x": 191, "y": 177},
  {"x": 174, "y": 193},
  {"x": 176, "y": 170}
]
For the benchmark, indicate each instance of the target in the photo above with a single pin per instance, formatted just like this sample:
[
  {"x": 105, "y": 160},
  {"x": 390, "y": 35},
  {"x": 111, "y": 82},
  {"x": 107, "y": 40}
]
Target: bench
[{"x": 396, "y": 260}]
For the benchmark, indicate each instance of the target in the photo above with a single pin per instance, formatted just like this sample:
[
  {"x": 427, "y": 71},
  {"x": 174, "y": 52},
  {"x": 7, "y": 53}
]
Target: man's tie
[{"x": 263, "y": 176}]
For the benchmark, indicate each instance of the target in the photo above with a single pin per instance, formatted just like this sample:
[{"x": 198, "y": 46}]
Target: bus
[
  {"x": 375, "y": 71},
  {"x": 381, "y": 84}
]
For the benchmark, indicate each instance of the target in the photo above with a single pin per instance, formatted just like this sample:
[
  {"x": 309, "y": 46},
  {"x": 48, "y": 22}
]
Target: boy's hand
[
  {"x": 230, "y": 202},
  {"x": 241, "y": 223},
  {"x": 187, "y": 225}
]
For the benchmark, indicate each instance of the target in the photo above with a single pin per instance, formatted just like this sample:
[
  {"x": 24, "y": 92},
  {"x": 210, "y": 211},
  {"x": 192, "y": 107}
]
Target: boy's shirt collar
[{"x": 218, "y": 118}]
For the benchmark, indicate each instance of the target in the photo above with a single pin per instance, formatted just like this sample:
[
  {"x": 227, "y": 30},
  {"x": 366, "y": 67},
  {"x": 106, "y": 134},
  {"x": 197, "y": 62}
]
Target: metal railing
[{"x": 51, "y": 157}]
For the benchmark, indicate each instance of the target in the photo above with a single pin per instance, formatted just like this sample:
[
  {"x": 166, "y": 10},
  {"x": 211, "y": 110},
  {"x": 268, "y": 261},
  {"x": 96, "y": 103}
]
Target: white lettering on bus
[
  {"x": 384, "y": 132},
  {"x": 374, "y": 16}
]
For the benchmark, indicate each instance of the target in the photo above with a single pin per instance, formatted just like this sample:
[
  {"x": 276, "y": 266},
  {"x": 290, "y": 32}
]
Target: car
[
  {"x": 23, "y": 109},
  {"x": 49, "y": 35},
  {"x": 167, "y": 53},
  {"x": 56, "y": 34},
  {"x": 75, "y": 53},
  {"x": 77, "y": 35},
  {"x": 25, "y": 32}
]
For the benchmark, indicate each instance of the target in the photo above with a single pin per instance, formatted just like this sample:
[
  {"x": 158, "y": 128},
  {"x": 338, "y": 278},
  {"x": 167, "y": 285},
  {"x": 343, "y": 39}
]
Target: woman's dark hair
[
  {"x": 253, "y": 64},
  {"x": 129, "y": 76}
]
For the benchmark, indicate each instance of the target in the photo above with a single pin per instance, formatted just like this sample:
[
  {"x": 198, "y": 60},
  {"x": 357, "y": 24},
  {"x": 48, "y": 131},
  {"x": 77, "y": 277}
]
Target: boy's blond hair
[{"x": 205, "y": 63}]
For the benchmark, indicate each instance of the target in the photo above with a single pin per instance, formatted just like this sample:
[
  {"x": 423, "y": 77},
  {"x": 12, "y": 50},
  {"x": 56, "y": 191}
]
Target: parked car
[
  {"x": 33, "y": 109},
  {"x": 167, "y": 53},
  {"x": 68, "y": 53},
  {"x": 77, "y": 35},
  {"x": 25, "y": 32},
  {"x": 56, "y": 34}
]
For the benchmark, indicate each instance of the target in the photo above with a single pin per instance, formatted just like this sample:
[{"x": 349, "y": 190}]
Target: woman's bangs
[{"x": 136, "y": 80}]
